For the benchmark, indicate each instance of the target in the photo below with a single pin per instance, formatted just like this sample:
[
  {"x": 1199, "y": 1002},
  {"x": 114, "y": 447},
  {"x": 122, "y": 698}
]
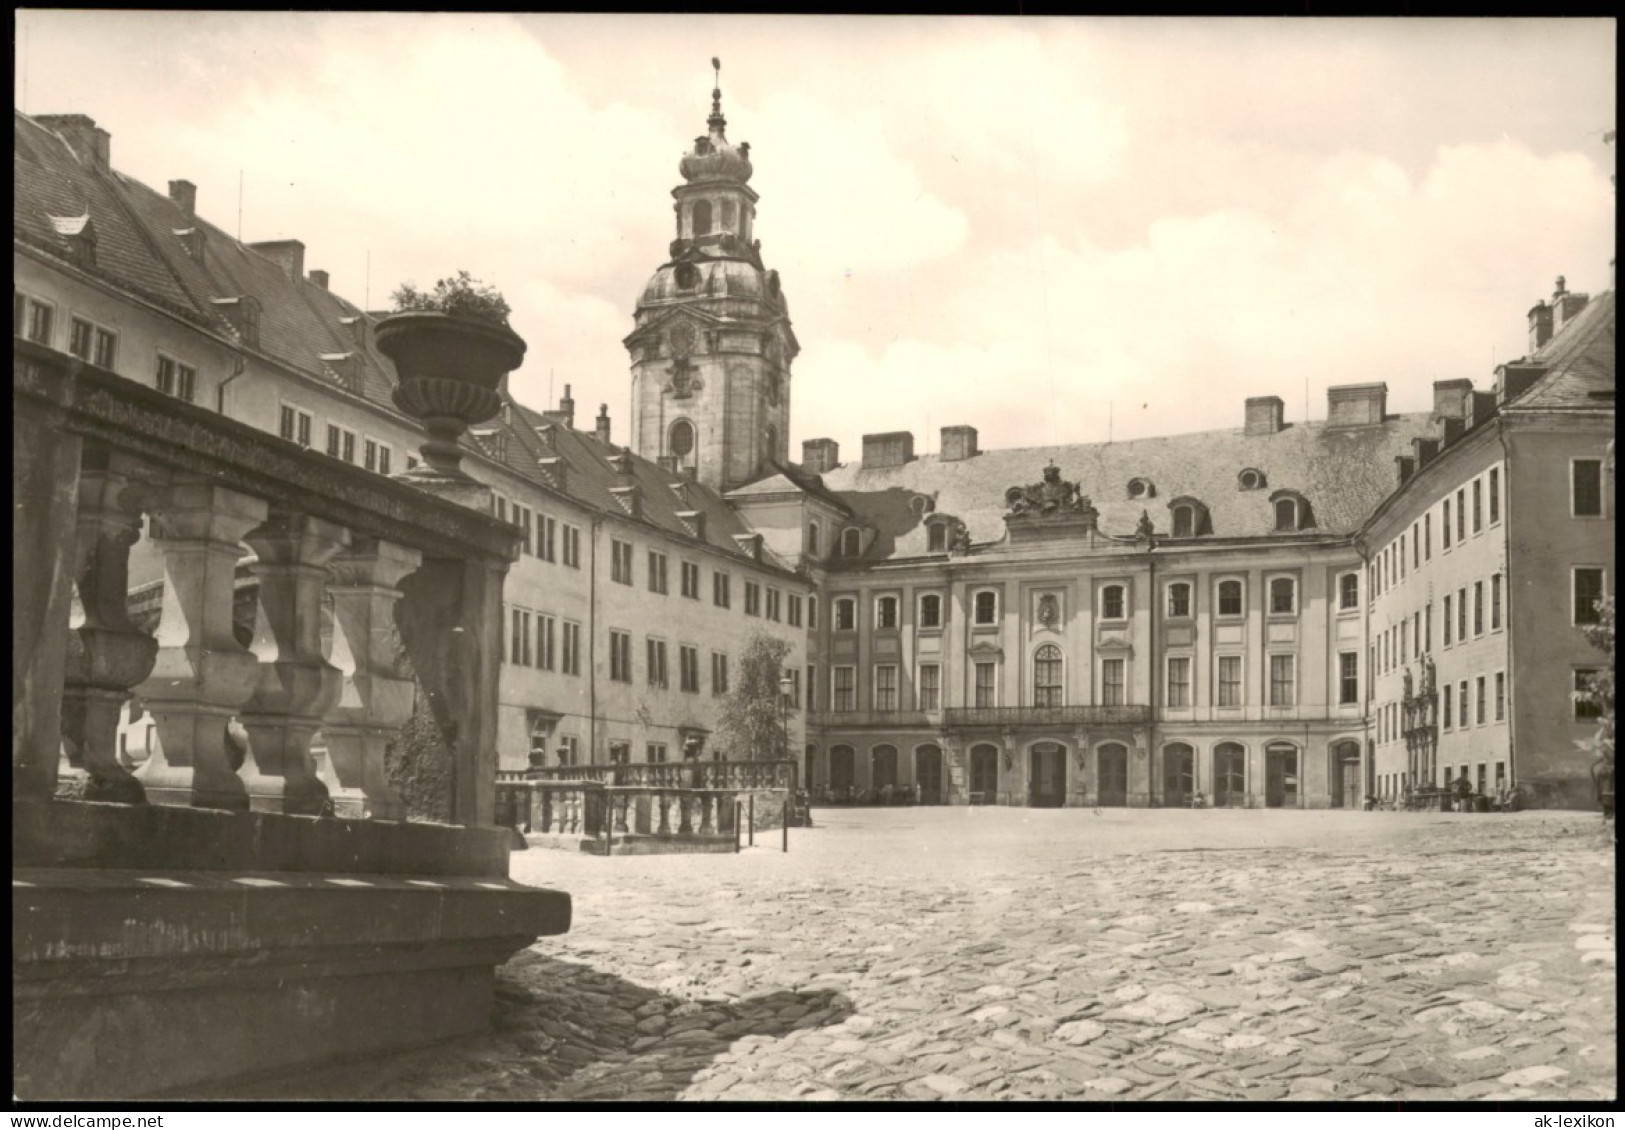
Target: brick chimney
[
  {"x": 601, "y": 425},
  {"x": 1405, "y": 465},
  {"x": 1264, "y": 415},
  {"x": 289, "y": 254},
  {"x": 1540, "y": 325},
  {"x": 820, "y": 455},
  {"x": 565, "y": 413},
  {"x": 93, "y": 146},
  {"x": 1566, "y": 305},
  {"x": 1426, "y": 449},
  {"x": 1450, "y": 399},
  {"x": 1356, "y": 406},
  {"x": 887, "y": 449},
  {"x": 958, "y": 442},
  {"x": 184, "y": 194},
  {"x": 319, "y": 278}
]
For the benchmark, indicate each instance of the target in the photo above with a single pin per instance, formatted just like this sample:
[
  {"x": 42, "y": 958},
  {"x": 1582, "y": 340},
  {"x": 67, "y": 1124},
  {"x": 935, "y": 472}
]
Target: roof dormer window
[
  {"x": 1251, "y": 478},
  {"x": 1292, "y": 512},
  {"x": 1190, "y": 518},
  {"x": 1141, "y": 488}
]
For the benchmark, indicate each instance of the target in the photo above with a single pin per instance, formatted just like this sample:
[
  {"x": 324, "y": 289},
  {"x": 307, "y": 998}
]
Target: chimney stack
[
  {"x": 601, "y": 425},
  {"x": 820, "y": 455},
  {"x": 958, "y": 442},
  {"x": 1540, "y": 326},
  {"x": 1264, "y": 415},
  {"x": 319, "y": 278},
  {"x": 565, "y": 413},
  {"x": 184, "y": 194},
  {"x": 887, "y": 449},
  {"x": 1405, "y": 465},
  {"x": 289, "y": 254},
  {"x": 1450, "y": 399},
  {"x": 1356, "y": 406},
  {"x": 1566, "y": 305},
  {"x": 91, "y": 145},
  {"x": 1426, "y": 449}
]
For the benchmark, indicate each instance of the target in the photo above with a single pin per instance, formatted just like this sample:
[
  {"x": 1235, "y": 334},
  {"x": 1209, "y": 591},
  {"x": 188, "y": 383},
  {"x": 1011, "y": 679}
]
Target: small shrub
[{"x": 461, "y": 297}]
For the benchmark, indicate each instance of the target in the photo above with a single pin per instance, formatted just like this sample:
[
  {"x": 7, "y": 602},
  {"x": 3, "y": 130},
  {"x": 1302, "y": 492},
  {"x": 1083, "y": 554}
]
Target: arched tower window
[
  {"x": 680, "y": 443},
  {"x": 702, "y": 218},
  {"x": 728, "y": 215},
  {"x": 812, "y": 538}
]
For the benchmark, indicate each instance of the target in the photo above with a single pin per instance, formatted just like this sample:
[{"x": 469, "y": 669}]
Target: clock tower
[{"x": 712, "y": 344}]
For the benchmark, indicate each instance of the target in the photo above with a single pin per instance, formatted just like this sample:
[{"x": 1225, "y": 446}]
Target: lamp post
[{"x": 786, "y": 685}]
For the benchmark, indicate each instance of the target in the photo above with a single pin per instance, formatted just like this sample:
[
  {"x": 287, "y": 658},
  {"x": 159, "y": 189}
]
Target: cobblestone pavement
[{"x": 1024, "y": 954}]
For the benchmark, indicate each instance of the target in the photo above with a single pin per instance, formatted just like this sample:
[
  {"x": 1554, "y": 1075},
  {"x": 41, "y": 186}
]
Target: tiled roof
[
  {"x": 1343, "y": 473},
  {"x": 1579, "y": 361},
  {"x": 789, "y": 479}
]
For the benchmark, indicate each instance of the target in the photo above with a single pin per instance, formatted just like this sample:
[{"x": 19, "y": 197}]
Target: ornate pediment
[{"x": 1053, "y": 496}]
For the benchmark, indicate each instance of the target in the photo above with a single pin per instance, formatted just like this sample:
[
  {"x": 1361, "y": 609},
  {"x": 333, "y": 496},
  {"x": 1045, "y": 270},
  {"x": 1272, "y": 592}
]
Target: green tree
[{"x": 751, "y": 725}]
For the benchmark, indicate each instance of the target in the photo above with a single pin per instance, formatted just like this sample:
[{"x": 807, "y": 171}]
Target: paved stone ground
[{"x": 1026, "y": 954}]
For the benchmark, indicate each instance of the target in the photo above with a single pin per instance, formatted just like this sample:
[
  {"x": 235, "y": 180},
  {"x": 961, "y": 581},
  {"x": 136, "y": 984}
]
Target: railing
[
  {"x": 839, "y": 718},
  {"x": 737, "y": 776},
  {"x": 414, "y": 583},
  {"x": 998, "y": 716}
]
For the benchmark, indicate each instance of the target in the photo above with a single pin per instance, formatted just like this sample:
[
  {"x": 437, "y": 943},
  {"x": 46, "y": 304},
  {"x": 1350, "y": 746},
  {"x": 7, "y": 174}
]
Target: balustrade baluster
[
  {"x": 706, "y": 826},
  {"x": 201, "y": 675},
  {"x": 663, "y": 827},
  {"x": 619, "y": 803},
  {"x": 297, "y": 687},
  {"x": 685, "y": 821},
  {"x": 376, "y": 696},
  {"x": 107, "y": 654}
]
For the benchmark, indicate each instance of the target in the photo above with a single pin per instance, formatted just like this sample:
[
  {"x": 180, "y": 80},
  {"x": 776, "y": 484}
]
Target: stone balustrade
[{"x": 661, "y": 812}]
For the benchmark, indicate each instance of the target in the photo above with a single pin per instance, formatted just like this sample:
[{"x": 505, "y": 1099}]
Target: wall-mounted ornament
[{"x": 1049, "y": 610}]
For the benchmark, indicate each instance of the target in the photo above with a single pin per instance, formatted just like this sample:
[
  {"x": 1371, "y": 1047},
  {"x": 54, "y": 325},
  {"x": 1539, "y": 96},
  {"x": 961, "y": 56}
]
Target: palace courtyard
[{"x": 1021, "y": 954}]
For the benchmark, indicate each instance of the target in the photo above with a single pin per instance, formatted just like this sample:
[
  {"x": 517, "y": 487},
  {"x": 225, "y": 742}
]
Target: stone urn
[{"x": 449, "y": 369}]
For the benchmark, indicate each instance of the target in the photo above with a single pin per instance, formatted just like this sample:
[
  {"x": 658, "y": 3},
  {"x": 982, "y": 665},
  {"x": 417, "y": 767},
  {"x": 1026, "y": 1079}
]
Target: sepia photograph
[{"x": 820, "y": 561}]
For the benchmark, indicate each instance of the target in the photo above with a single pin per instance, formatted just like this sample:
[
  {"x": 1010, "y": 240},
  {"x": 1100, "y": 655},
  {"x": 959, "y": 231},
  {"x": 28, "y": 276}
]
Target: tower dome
[{"x": 712, "y": 158}]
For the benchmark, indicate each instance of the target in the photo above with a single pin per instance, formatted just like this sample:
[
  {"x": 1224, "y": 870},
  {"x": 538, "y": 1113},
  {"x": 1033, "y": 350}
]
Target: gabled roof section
[
  {"x": 789, "y": 478},
  {"x": 1344, "y": 473},
  {"x": 1579, "y": 361}
]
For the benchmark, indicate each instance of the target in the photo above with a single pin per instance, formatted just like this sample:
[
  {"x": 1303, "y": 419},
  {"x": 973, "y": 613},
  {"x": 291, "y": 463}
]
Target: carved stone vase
[{"x": 449, "y": 370}]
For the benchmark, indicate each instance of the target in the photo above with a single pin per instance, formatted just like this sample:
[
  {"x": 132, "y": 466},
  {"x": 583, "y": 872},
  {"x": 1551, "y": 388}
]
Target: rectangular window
[
  {"x": 180, "y": 381},
  {"x": 369, "y": 456},
  {"x": 1478, "y": 505},
  {"x": 620, "y": 565},
  {"x": 1229, "y": 680},
  {"x": 1404, "y": 639},
  {"x": 620, "y": 656},
  {"x": 1112, "y": 604},
  {"x": 1495, "y": 495},
  {"x": 1179, "y": 681},
  {"x": 930, "y": 611},
  {"x": 522, "y": 516},
  {"x": 1283, "y": 680},
  {"x": 771, "y": 604},
  {"x": 1449, "y": 621},
  {"x": 656, "y": 657},
  {"x": 81, "y": 338},
  {"x": 1461, "y": 514},
  {"x": 691, "y": 580},
  {"x": 688, "y": 662},
  {"x": 795, "y": 690},
  {"x": 886, "y": 687},
  {"x": 792, "y": 610},
  {"x": 846, "y": 614},
  {"x": 657, "y": 572},
  {"x": 930, "y": 687},
  {"x": 1461, "y": 615},
  {"x": 843, "y": 688},
  {"x": 544, "y": 641},
  {"x": 1427, "y": 537},
  {"x": 987, "y": 686},
  {"x": 1402, "y": 556},
  {"x": 719, "y": 673},
  {"x": 1587, "y": 592},
  {"x": 1500, "y": 696},
  {"x": 341, "y": 444},
  {"x": 1478, "y": 608},
  {"x": 295, "y": 425},
  {"x": 812, "y": 612},
  {"x": 1585, "y": 707},
  {"x": 1113, "y": 684},
  {"x": 519, "y": 639},
  {"x": 812, "y": 686},
  {"x": 1427, "y": 627},
  {"x": 1480, "y": 716},
  {"x": 546, "y": 528},
  {"x": 886, "y": 612},
  {"x": 1179, "y": 600},
  {"x": 1348, "y": 591},
  {"x": 1283, "y": 596},
  {"x": 40, "y": 316},
  {"x": 654, "y": 752},
  {"x": 720, "y": 595},
  {"x": 1463, "y": 718},
  {"x": 1445, "y": 525},
  {"x": 1495, "y": 602},
  {"x": 1348, "y": 678},
  {"x": 753, "y": 599},
  {"x": 1449, "y": 700},
  {"x": 569, "y": 750},
  {"x": 571, "y": 536},
  {"x": 499, "y": 503},
  {"x": 572, "y": 648},
  {"x": 1416, "y": 546},
  {"x": 987, "y": 608},
  {"x": 1586, "y": 498}
]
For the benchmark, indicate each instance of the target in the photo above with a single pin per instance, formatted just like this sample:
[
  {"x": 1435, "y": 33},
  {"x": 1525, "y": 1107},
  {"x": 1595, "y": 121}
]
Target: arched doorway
[
  {"x": 1178, "y": 774},
  {"x": 984, "y": 774},
  {"x": 883, "y": 771},
  {"x": 840, "y": 771},
  {"x": 1281, "y": 775},
  {"x": 928, "y": 774},
  {"x": 1346, "y": 775},
  {"x": 1229, "y": 775},
  {"x": 1046, "y": 785},
  {"x": 1111, "y": 775}
]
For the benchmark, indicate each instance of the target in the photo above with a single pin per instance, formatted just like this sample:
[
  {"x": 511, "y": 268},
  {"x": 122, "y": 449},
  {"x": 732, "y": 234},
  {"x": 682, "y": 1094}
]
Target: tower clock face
[{"x": 682, "y": 339}]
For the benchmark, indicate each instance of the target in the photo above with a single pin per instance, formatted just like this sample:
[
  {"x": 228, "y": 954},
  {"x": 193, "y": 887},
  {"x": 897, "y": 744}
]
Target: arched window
[
  {"x": 1230, "y": 603},
  {"x": 851, "y": 542},
  {"x": 728, "y": 215},
  {"x": 702, "y": 218},
  {"x": 1112, "y": 604},
  {"x": 1286, "y": 514},
  {"x": 1348, "y": 591},
  {"x": 680, "y": 441},
  {"x": 1283, "y": 596},
  {"x": 1178, "y": 774},
  {"x": 1251, "y": 478},
  {"x": 883, "y": 769},
  {"x": 1048, "y": 689},
  {"x": 986, "y": 607},
  {"x": 812, "y": 537},
  {"x": 1179, "y": 600},
  {"x": 771, "y": 435}
]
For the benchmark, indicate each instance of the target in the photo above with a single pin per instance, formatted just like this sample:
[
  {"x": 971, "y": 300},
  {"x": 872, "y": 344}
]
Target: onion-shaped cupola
[{"x": 713, "y": 159}]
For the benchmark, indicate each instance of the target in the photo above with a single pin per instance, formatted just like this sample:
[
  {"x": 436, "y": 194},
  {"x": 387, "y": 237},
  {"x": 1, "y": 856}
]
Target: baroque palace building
[{"x": 1133, "y": 623}]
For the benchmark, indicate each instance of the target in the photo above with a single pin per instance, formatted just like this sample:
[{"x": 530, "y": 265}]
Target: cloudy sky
[{"x": 1039, "y": 227}]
